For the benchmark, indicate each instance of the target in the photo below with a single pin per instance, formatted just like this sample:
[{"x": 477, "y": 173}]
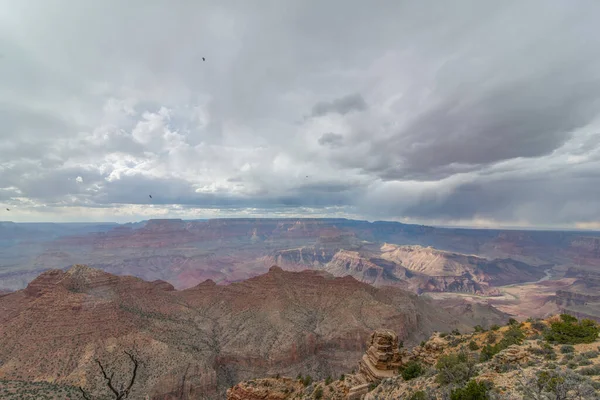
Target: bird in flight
[
  {"x": 150, "y": 195},
  {"x": 203, "y": 59},
  {"x": 8, "y": 209}
]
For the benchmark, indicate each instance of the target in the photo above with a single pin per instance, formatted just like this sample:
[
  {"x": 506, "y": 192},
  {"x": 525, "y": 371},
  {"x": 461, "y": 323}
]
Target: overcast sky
[{"x": 481, "y": 113}]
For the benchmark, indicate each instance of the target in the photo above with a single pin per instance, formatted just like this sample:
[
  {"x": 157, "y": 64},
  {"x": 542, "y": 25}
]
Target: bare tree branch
[
  {"x": 108, "y": 379},
  {"x": 122, "y": 393},
  {"x": 135, "y": 367},
  {"x": 84, "y": 394}
]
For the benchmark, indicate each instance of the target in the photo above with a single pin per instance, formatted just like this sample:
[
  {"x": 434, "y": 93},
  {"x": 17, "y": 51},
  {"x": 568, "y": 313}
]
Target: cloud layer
[{"x": 483, "y": 113}]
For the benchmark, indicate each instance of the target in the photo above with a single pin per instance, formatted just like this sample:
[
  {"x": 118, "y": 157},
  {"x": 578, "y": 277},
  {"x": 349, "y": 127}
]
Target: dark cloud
[
  {"x": 529, "y": 119},
  {"x": 331, "y": 139},
  {"x": 342, "y": 105}
]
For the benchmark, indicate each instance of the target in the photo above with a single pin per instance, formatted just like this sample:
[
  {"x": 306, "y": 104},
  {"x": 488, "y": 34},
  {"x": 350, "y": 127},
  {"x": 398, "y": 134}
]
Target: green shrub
[
  {"x": 442, "y": 335},
  {"x": 567, "y": 349},
  {"x": 491, "y": 338},
  {"x": 590, "y": 354},
  {"x": 319, "y": 393},
  {"x": 411, "y": 370},
  {"x": 472, "y": 391},
  {"x": 342, "y": 377},
  {"x": 545, "y": 350},
  {"x": 455, "y": 332},
  {"x": 455, "y": 368},
  {"x": 539, "y": 326},
  {"x": 478, "y": 328},
  {"x": 570, "y": 331},
  {"x": 328, "y": 380},
  {"x": 590, "y": 371},
  {"x": 473, "y": 346},
  {"x": 307, "y": 380},
  {"x": 495, "y": 327},
  {"x": 512, "y": 321},
  {"x": 420, "y": 395}
]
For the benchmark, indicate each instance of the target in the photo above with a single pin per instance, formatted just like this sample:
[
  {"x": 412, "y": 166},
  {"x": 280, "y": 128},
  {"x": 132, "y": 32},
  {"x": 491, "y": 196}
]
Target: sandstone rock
[
  {"x": 357, "y": 392},
  {"x": 382, "y": 358},
  {"x": 429, "y": 353},
  {"x": 264, "y": 389},
  {"x": 515, "y": 355}
]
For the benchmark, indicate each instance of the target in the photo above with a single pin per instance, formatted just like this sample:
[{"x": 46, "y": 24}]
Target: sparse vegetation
[
  {"x": 557, "y": 384},
  {"x": 473, "y": 346}
]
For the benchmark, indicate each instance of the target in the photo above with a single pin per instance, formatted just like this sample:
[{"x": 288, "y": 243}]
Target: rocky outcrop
[
  {"x": 445, "y": 271},
  {"x": 513, "y": 355},
  {"x": 570, "y": 298},
  {"x": 382, "y": 358},
  {"x": 302, "y": 258},
  {"x": 430, "y": 352},
  {"x": 264, "y": 389},
  {"x": 375, "y": 271}
]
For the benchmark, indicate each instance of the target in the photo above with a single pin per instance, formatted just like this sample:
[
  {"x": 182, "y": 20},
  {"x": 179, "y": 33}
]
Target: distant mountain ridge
[{"x": 227, "y": 250}]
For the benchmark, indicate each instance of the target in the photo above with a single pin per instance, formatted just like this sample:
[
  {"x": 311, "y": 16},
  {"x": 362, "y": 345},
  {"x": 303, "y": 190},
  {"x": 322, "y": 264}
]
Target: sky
[{"x": 474, "y": 113}]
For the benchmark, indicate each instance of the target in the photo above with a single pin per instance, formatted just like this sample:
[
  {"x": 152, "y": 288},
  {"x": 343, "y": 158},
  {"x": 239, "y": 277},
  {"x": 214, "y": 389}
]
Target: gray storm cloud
[{"x": 482, "y": 111}]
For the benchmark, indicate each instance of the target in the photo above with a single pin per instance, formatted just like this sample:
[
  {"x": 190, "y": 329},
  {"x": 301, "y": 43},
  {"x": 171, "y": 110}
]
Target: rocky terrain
[
  {"x": 517, "y": 361},
  {"x": 195, "y": 343}
]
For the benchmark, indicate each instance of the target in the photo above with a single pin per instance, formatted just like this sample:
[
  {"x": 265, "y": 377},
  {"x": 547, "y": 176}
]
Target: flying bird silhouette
[
  {"x": 150, "y": 195},
  {"x": 8, "y": 209},
  {"x": 203, "y": 59}
]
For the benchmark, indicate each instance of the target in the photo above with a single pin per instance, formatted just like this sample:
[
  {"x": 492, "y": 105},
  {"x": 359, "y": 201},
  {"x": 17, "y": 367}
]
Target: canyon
[{"x": 204, "y": 306}]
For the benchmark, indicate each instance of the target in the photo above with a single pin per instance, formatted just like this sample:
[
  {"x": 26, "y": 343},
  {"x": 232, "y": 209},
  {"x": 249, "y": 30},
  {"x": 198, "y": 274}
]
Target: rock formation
[
  {"x": 513, "y": 355},
  {"x": 382, "y": 358}
]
